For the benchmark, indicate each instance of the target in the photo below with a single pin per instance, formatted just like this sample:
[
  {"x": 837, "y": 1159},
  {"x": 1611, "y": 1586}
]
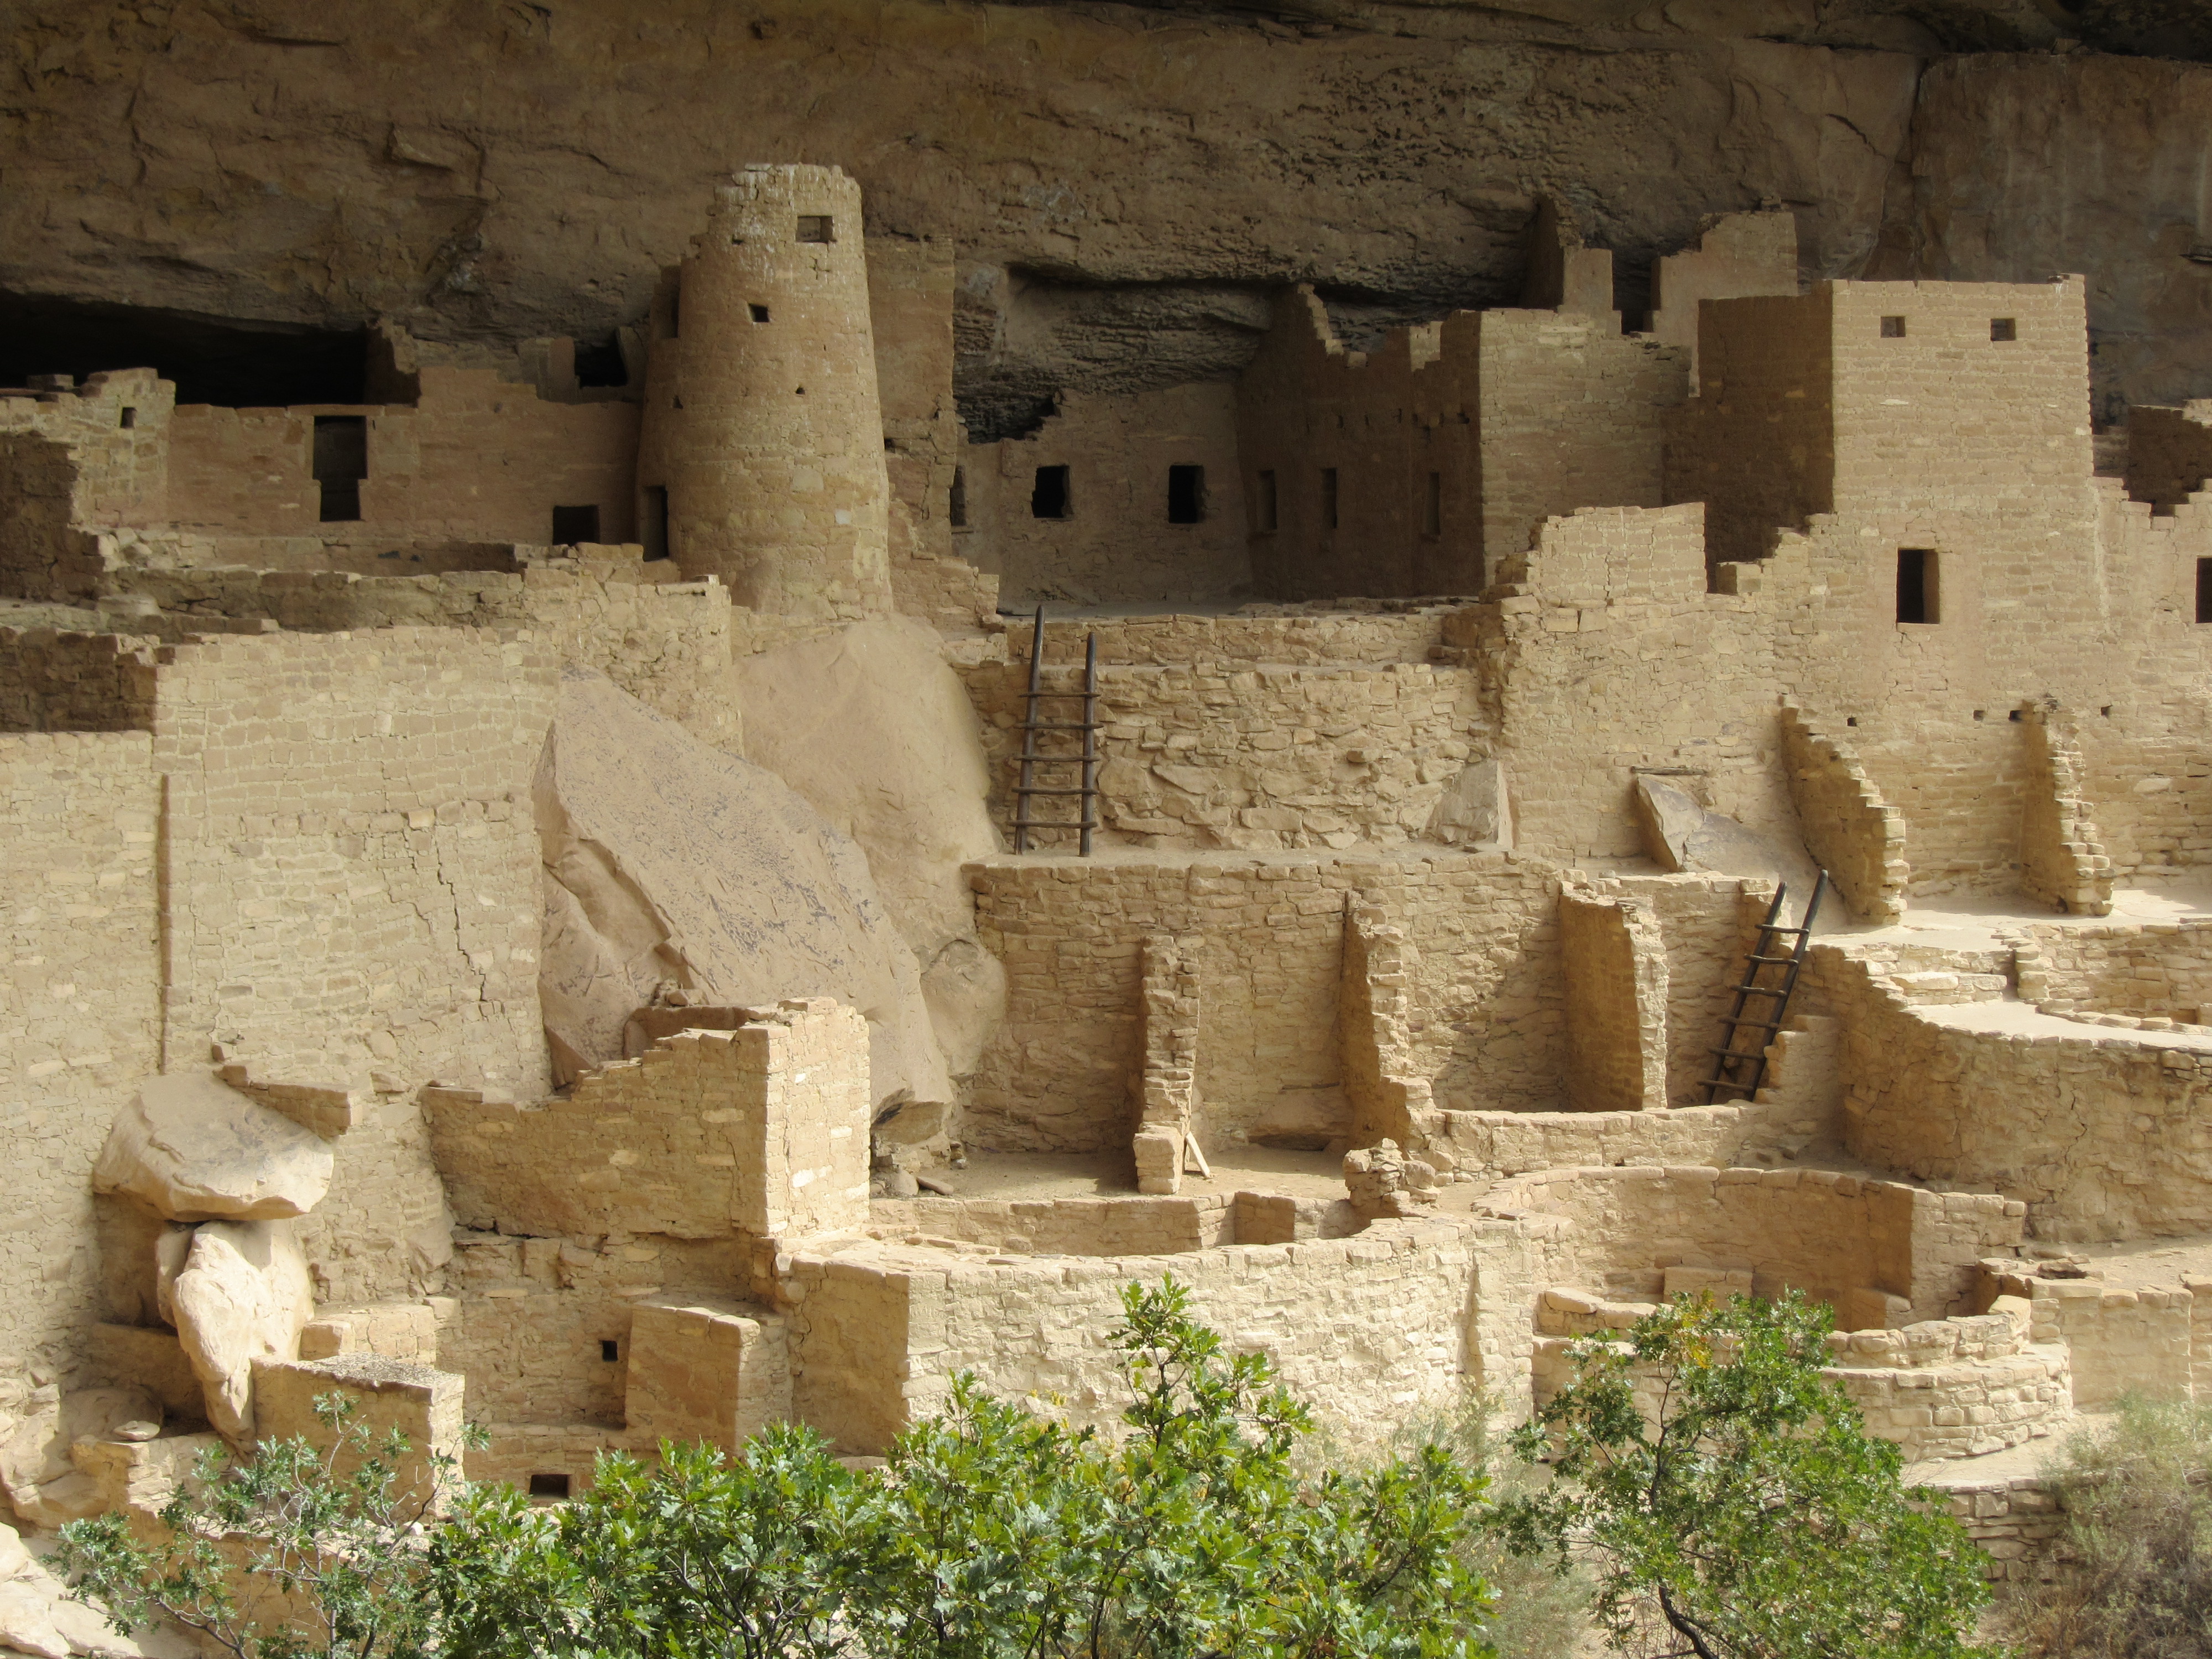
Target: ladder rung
[
  {"x": 1769, "y": 927},
  {"x": 1756, "y": 1025},
  {"x": 1030, "y": 789},
  {"x": 1053, "y": 823},
  {"x": 1722, "y": 1083},
  {"x": 1786, "y": 960},
  {"x": 1740, "y": 1053},
  {"x": 1060, "y": 725}
]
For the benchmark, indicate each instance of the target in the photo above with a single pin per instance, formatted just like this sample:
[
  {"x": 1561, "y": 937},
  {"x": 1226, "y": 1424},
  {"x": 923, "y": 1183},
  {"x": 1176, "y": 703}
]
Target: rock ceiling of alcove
[{"x": 1124, "y": 184}]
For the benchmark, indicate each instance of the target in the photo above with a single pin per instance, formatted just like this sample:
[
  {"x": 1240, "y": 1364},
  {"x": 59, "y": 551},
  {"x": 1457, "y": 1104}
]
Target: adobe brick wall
[{"x": 2169, "y": 452}]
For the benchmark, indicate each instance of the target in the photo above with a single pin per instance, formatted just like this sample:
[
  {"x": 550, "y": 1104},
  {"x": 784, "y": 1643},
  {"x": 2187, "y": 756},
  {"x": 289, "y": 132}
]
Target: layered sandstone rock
[
  {"x": 244, "y": 1296},
  {"x": 192, "y": 1149}
]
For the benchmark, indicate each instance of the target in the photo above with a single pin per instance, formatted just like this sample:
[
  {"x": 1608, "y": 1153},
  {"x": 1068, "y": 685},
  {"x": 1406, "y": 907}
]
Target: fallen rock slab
[
  {"x": 192, "y": 1148},
  {"x": 244, "y": 1295}
]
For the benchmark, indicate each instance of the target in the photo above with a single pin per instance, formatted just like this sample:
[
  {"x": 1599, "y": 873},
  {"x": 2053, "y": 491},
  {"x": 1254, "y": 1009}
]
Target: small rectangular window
[
  {"x": 1432, "y": 506},
  {"x": 1049, "y": 497},
  {"x": 1328, "y": 498},
  {"x": 572, "y": 524},
  {"x": 549, "y": 1486},
  {"x": 1919, "y": 598},
  {"x": 610, "y": 1349},
  {"x": 341, "y": 462},
  {"x": 1893, "y": 328},
  {"x": 127, "y": 419},
  {"x": 2205, "y": 589},
  {"x": 653, "y": 526},
  {"x": 814, "y": 227},
  {"x": 759, "y": 312},
  {"x": 1186, "y": 494},
  {"x": 2004, "y": 328},
  {"x": 1263, "y": 509},
  {"x": 959, "y": 505}
]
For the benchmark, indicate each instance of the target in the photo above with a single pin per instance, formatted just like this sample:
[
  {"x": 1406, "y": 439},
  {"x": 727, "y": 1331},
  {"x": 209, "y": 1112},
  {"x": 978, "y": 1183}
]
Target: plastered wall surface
[{"x": 1116, "y": 541}]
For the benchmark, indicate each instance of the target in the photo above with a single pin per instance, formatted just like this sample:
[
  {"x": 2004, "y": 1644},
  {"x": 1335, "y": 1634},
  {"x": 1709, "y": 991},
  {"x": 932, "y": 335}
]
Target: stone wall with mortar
[
  {"x": 2062, "y": 864},
  {"x": 1116, "y": 543},
  {"x": 2157, "y": 970},
  {"x": 80, "y": 1004},
  {"x": 1364, "y": 1329},
  {"x": 762, "y": 1130},
  {"x": 1415, "y": 468},
  {"x": 1252, "y": 755},
  {"x": 1737, "y": 255},
  {"x": 72, "y": 462},
  {"x": 668, "y": 645},
  {"x": 2095, "y": 1129},
  {"x": 1849, "y": 831},
  {"x": 474, "y": 458},
  {"x": 1831, "y": 1236},
  {"x": 1615, "y": 966},
  {"x": 762, "y": 420},
  {"x": 1487, "y": 996},
  {"x": 51, "y": 681},
  {"x": 2138, "y": 1339}
]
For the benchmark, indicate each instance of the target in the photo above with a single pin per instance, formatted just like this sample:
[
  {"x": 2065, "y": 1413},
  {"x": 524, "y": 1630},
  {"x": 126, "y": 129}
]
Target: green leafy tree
[
  {"x": 993, "y": 1533},
  {"x": 1741, "y": 1511},
  {"x": 297, "y": 1552}
]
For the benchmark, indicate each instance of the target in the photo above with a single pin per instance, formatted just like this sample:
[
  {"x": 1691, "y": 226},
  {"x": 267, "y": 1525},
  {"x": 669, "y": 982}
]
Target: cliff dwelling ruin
[{"x": 515, "y": 904}]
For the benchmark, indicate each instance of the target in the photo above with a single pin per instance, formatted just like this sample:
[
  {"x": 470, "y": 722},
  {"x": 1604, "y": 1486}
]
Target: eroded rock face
[
  {"x": 192, "y": 1149},
  {"x": 42, "y": 1483},
  {"x": 243, "y": 1295},
  {"x": 669, "y": 861},
  {"x": 873, "y": 727}
]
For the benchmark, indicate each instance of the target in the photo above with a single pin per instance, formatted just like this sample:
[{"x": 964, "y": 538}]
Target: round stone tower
[{"x": 761, "y": 457}]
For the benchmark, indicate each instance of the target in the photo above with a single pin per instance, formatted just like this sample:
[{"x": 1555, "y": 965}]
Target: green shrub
[
  {"x": 1750, "y": 1516},
  {"x": 2133, "y": 1566}
]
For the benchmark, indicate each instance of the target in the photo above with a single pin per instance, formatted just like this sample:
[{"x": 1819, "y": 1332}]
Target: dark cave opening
[{"x": 241, "y": 365}]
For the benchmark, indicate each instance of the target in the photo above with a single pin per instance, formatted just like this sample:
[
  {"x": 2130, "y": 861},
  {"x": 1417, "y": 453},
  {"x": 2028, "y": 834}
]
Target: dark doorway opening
[
  {"x": 601, "y": 364},
  {"x": 1918, "y": 595},
  {"x": 958, "y": 507},
  {"x": 575, "y": 524},
  {"x": 653, "y": 521},
  {"x": 1049, "y": 496},
  {"x": 1186, "y": 494},
  {"x": 1328, "y": 498},
  {"x": 341, "y": 463}
]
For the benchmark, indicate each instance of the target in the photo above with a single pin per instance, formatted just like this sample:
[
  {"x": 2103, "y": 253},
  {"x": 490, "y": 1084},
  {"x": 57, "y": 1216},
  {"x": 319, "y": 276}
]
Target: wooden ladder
[
  {"x": 1767, "y": 952},
  {"x": 1027, "y": 791}
]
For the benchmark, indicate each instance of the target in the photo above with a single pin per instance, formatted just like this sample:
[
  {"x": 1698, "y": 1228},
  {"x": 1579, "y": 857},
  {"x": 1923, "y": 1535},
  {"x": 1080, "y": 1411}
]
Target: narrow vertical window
[
  {"x": 1049, "y": 496},
  {"x": 2205, "y": 589},
  {"x": 653, "y": 528},
  {"x": 957, "y": 507},
  {"x": 1263, "y": 506},
  {"x": 1432, "y": 506},
  {"x": 341, "y": 462},
  {"x": 127, "y": 419},
  {"x": 1186, "y": 494},
  {"x": 1328, "y": 498},
  {"x": 1919, "y": 598}
]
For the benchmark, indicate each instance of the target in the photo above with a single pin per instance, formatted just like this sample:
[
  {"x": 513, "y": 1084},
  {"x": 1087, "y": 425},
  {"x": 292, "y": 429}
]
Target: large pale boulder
[
  {"x": 193, "y": 1148},
  {"x": 43, "y": 1485},
  {"x": 667, "y": 860},
  {"x": 1682, "y": 834},
  {"x": 243, "y": 1295},
  {"x": 873, "y": 726},
  {"x": 38, "y": 1615}
]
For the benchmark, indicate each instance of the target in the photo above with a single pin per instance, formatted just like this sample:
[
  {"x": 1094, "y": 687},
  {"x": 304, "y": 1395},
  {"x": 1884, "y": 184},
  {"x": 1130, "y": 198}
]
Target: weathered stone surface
[
  {"x": 243, "y": 1295},
  {"x": 37, "y": 1616},
  {"x": 193, "y": 1148},
  {"x": 873, "y": 727},
  {"x": 671, "y": 862},
  {"x": 42, "y": 1483},
  {"x": 1680, "y": 833}
]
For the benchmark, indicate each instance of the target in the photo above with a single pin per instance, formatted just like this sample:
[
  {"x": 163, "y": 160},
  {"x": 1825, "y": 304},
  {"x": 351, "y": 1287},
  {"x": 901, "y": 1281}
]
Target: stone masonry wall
[
  {"x": 1616, "y": 978},
  {"x": 1117, "y": 543},
  {"x": 1849, "y": 832},
  {"x": 2158, "y": 969},
  {"x": 1487, "y": 999},
  {"x": 1215, "y": 755},
  {"x": 1365, "y": 1328},
  {"x": 2061, "y": 862},
  {"x": 1831, "y": 1236},
  {"x": 57, "y": 682},
  {"x": 2096, "y": 1130},
  {"x": 79, "y": 1006},
  {"x": 762, "y": 1130},
  {"x": 475, "y": 458}
]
